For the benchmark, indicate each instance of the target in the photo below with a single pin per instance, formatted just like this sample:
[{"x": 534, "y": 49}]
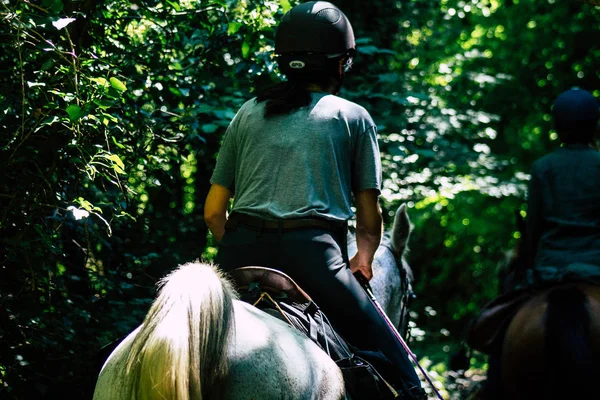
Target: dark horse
[
  {"x": 551, "y": 349},
  {"x": 552, "y": 346},
  {"x": 543, "y": 341}
]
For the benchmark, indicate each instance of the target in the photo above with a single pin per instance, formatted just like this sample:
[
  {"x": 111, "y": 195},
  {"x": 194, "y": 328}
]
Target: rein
[
  {"x": 407, "y": 295},
  {"x": 367, "y": 288}
]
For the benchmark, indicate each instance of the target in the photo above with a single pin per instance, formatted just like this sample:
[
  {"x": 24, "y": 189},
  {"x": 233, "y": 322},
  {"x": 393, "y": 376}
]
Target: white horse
[{"x": 198, "y": 341}]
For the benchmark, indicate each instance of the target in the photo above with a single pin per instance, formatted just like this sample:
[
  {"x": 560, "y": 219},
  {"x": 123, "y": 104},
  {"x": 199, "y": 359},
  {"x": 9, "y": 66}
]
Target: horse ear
[{"x": 400, "y": 230}]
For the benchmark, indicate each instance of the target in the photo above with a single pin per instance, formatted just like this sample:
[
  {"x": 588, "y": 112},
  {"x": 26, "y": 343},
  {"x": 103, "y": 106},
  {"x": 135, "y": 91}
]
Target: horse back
[
  {"x": 551, "y": 348},
  {"x": 269, "y": 360}
]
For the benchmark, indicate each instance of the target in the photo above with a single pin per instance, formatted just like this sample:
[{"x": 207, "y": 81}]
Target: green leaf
[
  {"x": 104, "y": 104},
  {"x": 233, "y": 27},
  {"x": 74, "y": 112},
  {"x": 85, "y": 204},
  {"x": 246, "y": 47},
  {"x": 67, "y": 97},
  {"x": 125, "y": 214},
  {"x": 174, "y": 5},
  {"x": 370, "y": 49},
  {"x": 209, "y": 128},
  {"x": 61, "y": 23},
  {"x": 363, "y": 40},
  {"x": 175, "y": 91},
  {"x": 117, "y": 84},
  {"x": 226, "y": 114},
  {"x": 119, "y": 145},
  {"x": 101, "y": 81},
  {"x": 115, "y": 159},
  {"x": 110, "y": 118},
  {"x": 48, "y": 121},
  {"x": 285, "y": 6},
  {"x": 60, "y": 269}
]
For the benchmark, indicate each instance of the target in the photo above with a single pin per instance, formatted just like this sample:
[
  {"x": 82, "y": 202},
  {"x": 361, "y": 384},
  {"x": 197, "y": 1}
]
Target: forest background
[{"x": 111, "y": 113}]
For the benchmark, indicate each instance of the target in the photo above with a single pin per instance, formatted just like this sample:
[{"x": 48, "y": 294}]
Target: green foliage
[{"x": 112, "y": 112}]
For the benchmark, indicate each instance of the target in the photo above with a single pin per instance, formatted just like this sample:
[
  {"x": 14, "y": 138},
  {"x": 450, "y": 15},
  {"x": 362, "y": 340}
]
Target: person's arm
[
  {"x": 369, "y": 229},
  {"x": 534, "y": 220},
  {"x": 215, "y": 210}
]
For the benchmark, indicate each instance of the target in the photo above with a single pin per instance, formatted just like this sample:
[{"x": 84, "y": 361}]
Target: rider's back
[
  {"x": 569, "y": 185},
  {"x": 301, "y": 164},
  {"x": 563, "y": 224}
]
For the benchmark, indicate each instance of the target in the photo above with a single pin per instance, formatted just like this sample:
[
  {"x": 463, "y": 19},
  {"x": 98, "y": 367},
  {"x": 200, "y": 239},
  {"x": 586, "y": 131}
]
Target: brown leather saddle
[
  {"x": 361, "y": 378},
  {"x": 493, "y": 319},
  {"x": 270, "y": 280}
]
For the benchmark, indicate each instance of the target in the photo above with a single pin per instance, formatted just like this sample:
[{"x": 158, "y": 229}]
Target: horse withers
[{"x": 198, "y": 341}]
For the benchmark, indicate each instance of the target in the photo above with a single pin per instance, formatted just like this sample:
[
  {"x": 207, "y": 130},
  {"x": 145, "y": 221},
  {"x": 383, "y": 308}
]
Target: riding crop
[{"x": 367, "y": 288}]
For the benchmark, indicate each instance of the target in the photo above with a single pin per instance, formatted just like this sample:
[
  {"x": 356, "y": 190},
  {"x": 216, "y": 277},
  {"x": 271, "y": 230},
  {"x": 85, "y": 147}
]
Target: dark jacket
[{"x": 563, "y": 223}]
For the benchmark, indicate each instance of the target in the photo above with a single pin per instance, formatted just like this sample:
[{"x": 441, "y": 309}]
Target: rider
[
  {"x": 291, "y": 159},
  {"x": 562, "y": 238}
]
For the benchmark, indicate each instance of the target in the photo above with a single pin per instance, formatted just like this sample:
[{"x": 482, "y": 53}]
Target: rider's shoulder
[
  {"x": 348, "y": 109},
  {"x": 563, "y": 152},
  {"x": 565, "y": 158}
]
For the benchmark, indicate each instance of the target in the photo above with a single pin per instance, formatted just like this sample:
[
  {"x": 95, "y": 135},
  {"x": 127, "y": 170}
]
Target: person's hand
[{"x": 357, "y": 264}]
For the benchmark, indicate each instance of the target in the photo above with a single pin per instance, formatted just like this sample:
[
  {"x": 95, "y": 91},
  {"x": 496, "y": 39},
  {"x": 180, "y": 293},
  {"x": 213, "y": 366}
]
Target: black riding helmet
[
  {"x": 575, "y": 114},
  {"x": 312, "y": 35}
]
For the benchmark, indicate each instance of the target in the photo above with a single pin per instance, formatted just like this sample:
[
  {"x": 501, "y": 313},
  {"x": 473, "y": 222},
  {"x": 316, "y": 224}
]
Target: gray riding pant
[{"x": 317, "y": 261}]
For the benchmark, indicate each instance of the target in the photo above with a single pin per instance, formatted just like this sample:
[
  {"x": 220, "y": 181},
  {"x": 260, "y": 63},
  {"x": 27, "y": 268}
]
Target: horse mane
[
  {"x": 568, "y": 344},
  {"x": 181, "y": 348}
]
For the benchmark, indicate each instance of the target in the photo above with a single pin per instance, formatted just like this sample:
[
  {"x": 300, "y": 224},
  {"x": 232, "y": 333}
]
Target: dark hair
[
  {"x": 285, "y": 97},
  {"x": 582, "y": 132}
]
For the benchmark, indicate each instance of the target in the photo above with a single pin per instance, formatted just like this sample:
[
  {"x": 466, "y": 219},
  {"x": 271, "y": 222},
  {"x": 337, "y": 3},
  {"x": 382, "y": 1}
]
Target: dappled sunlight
[{"x": 113, "y": 114}]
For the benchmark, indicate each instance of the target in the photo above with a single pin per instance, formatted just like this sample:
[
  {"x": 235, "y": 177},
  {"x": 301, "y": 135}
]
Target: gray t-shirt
[{"x": 303, "y": 164}]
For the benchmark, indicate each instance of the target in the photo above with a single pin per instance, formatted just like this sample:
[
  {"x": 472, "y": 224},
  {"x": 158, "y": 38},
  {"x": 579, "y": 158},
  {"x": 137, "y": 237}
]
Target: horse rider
[
  {"x": 292, "y": 159},
  {"x": 562, "y": 237}
]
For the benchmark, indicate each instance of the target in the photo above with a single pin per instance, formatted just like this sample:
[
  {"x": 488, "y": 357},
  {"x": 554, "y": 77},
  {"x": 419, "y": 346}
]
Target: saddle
[
  {"x": 276, "y": 293},
  {"x": 488, "y": 328},
  {"x": 270, "y": 280}
]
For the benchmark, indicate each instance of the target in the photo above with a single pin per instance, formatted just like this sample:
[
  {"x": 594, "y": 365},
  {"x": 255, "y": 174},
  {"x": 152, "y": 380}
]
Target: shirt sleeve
[
  {"x": 366, "y": 168},
  {"x": 224, "y": 172}
]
